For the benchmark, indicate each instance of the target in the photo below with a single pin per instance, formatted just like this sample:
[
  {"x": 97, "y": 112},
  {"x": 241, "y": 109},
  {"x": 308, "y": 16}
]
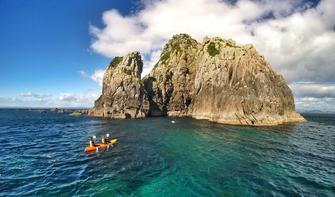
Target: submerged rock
[
  {"x": 215, "y": 80},
  {"x": 75, "y": 114}
]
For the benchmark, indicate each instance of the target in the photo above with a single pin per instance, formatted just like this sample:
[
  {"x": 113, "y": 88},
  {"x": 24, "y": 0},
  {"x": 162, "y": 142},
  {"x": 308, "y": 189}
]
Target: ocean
[{"x": 42, "y": 155}]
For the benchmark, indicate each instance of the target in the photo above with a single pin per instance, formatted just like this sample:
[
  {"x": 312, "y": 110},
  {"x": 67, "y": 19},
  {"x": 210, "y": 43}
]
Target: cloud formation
[
  {"x": 30, "y": 99},
  {"x": 297, "y": 39},
  {"x": 312, "y": 104},
  {"x": 96, "y": 76},
  {"x": 67, "y": 97},
  {"x": 314, "y": 96},
  {"x": 314, "y": 90},
  {"x": 35, "y": 95},
  {"x": 72, "y": 100}
]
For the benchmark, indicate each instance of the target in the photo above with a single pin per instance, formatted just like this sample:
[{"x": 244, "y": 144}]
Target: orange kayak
[{"x": 100, "y": 146}]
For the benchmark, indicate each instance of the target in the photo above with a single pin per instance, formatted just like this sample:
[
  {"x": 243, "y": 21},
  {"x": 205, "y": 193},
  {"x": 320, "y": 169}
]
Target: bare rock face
[
  {"x": 215, "y": 80},
  {"x": 123, "y": 95},
  {"x": 170, "y": 84},
  {"x": 219, "y": 81}
]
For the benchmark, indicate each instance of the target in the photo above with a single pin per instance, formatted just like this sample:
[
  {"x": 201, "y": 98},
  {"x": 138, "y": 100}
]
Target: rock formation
[
  {"x": 215, "y": 80},
  {"x": 123, "y": 94}
]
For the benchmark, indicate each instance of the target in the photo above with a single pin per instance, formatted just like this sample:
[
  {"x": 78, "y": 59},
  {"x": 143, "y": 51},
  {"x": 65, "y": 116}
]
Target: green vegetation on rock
[
  {"x": 178, "y": 43},
  {"x": 175, "y": 46},
  {"x": 165, "y": 56},
  {"x": 115, "y": 61},
  {"x": 229, "y": 44},
  {"x": 212, "y": 50}
]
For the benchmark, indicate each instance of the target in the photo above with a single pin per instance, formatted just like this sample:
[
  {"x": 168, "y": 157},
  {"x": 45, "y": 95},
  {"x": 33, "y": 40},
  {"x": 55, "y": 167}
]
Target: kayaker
[
  {"x": 103, "y": 140},
  {"x": 91, "y": 142},
  {"x": 107, "y": 138}
]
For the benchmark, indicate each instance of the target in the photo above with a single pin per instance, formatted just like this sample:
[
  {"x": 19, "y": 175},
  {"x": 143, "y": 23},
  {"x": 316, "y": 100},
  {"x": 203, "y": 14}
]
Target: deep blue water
[{"x": 42, "y": 154}]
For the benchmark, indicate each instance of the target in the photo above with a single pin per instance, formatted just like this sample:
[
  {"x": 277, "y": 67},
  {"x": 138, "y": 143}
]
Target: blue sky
[
  {"x": 45, "y": 43},
  {"x": 53, "y": 53}
]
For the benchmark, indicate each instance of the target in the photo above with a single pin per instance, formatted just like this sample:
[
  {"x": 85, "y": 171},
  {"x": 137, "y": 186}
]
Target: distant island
[
  {"x": 70, "y": 111},
  {"x": 215, "y": 80}
]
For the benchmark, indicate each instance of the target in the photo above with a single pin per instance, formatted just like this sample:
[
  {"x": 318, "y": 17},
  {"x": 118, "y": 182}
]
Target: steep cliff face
[
  {"x": 215, "y": 80},
  {"x": 123, "y": 94},
  {"x": 219, "y": 81},
  {"x": 170, "y": 84},
  {"x": 235, "y": 85}
]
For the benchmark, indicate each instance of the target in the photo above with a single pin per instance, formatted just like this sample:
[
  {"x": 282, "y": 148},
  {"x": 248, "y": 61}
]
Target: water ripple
[{"x": 43, "y": 155}]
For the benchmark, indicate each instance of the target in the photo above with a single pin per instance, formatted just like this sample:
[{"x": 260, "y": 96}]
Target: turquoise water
[{"x": 42, "y": 154}]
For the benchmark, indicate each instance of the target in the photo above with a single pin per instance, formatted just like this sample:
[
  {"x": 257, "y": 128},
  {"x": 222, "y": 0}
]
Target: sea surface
[{"x": 42, "y": 155}]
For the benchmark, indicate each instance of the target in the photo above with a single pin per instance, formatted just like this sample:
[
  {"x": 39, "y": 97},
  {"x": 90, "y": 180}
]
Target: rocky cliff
[
  {"x": 215, "y": 80},
  {"x": 123, "y": 94}
]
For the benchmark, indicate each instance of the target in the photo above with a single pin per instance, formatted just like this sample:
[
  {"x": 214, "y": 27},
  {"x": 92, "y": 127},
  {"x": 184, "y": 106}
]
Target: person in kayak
[
  {"x": 91, "y": 142},
  {"x": 107, "y": 138},
  {"x": 103, "y": 140}
]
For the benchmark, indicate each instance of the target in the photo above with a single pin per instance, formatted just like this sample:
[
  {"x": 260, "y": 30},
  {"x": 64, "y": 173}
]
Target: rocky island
[{"x": 216, "y": 80}]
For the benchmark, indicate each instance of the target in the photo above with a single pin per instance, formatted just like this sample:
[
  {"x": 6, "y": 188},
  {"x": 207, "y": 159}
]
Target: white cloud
[
  {"x": 311, "y": 96},
  {"x": 150, "y": 61},
  {"x": 67, "y": 97},
  {"x": 310, "y": 104},
  {"x": 98, "y": 76},
  {"x": 83, "y": 73},
  {"x": 62, "y": 100},
  {"x": 35, "y": 95},
  {"x": 11, "y": 102},
  {"x": 298, "y": 41},
  {"x": 87, "y": 98},
  {"x": 70, "y": 99},
  {"x": 313, "y": 90},
  {"x": 301, "y": 46},
  {"x": 75, "y": 100}
]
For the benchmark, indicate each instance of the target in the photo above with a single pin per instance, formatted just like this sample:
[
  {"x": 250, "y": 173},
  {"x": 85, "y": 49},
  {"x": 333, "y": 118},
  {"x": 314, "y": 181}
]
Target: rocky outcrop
[
  {"x": 123, "y": 94},
  {"x": 215, "y": 80},
  {"x": 170, "y": 84},
  {"x": 235, "y": 85}
]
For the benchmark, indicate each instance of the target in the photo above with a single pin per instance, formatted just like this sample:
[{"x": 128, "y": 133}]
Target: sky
[{"x": 54, "y": 53}]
